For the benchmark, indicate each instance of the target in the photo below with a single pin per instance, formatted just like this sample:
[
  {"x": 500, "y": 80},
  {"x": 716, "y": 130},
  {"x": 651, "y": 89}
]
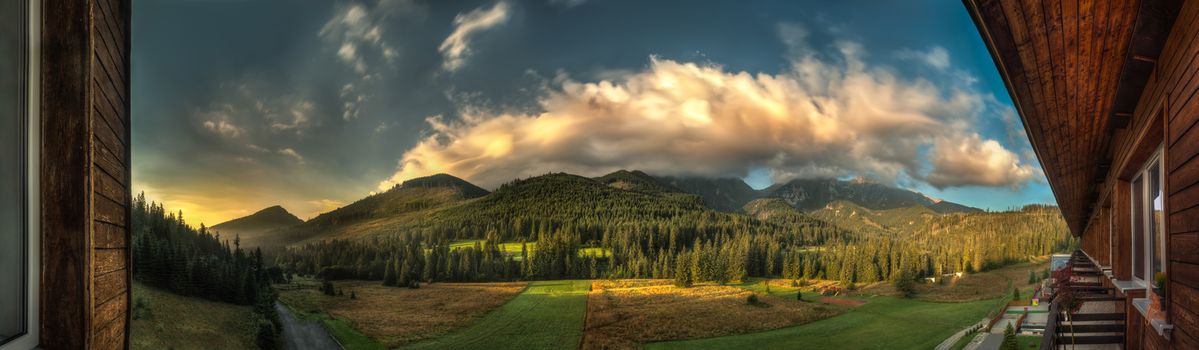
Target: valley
[{"x": 625, "y": 260}]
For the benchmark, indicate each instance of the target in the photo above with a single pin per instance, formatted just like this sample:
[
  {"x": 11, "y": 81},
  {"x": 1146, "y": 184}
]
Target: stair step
[
  {"x": 1101, "y": 297},
  {"x": 1091, "y": 340},
  {"x": 1091, "y": 328},
  {"x": 1097, "y": 317}
]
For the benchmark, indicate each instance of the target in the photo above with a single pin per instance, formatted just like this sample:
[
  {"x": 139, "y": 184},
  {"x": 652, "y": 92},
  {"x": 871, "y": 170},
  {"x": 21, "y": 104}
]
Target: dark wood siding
[
  {"x": 86, "y": 177},
  {"x": 1170, "y": 99}
]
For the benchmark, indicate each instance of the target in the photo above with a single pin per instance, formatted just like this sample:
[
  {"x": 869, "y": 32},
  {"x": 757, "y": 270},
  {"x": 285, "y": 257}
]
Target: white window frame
[
  {"x": 1151, "y": 232},
  {"x": 32, "y": 170}
]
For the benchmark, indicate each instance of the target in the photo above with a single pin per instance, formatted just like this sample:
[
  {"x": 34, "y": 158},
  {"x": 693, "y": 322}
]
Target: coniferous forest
[
  {"x": 171, "y": 255},
  {"x": 581, "y": 228}
]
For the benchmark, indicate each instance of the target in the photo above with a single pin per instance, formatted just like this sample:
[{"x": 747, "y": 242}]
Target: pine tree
[
  {"x": 682, "y": 271},
  {"x": 1009, "y": 339}
]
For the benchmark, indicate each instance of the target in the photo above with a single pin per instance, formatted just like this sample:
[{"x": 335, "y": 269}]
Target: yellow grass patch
[
  {"x": 398, "y": 316},
  {"x": 626, "y": 313}
]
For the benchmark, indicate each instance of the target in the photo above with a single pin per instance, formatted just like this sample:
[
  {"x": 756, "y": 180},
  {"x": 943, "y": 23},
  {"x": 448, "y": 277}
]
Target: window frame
[
  {"x": 1150, "y": 225},
  {"x": 30, "y": 96}
]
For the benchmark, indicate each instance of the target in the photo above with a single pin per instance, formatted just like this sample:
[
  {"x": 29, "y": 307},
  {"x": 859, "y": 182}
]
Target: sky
[{"x": 241, "y": 105}]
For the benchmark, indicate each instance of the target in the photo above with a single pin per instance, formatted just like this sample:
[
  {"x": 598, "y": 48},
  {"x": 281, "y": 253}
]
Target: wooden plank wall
[
  {"x": 1172, "y": 91},
  {"x": 86, "y": 177}
]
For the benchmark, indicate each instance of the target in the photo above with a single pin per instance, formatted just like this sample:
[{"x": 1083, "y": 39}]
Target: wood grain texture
[{"x": 85, "y": 174}]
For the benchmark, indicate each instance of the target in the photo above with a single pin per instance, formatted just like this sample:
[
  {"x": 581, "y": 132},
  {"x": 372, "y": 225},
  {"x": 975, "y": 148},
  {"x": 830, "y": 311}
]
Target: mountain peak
[
  {"x": 814, "y": 194},
  {"x": 467, "y": 189}
]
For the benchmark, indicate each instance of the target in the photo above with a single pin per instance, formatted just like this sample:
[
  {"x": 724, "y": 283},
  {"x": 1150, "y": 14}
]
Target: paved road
[
  {"x": 301, "y": 334},
  {"x": 947, "y": 343}
]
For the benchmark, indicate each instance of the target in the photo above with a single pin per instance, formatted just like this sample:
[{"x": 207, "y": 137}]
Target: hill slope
[
  {"x": 254, "y": 229},
  {"x": 405, "y": 202},
  {"x": 723, "y": 194}
]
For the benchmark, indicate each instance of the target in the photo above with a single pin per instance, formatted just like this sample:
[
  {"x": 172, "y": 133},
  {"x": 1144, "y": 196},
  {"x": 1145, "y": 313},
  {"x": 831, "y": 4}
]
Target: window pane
[
  {"x": 1138, "y": 228},
  {"x": 12, "y": 208},
  {"x": 1156, "y": 229}
]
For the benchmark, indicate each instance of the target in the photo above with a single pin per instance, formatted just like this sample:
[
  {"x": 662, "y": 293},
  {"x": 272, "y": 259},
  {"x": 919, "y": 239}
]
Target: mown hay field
[
  {"x": 883, "y": 322},
  {"x": 399, "y": 316},
  {"x": 547, "y": 315},
  {"x": 626, "y": 313}
]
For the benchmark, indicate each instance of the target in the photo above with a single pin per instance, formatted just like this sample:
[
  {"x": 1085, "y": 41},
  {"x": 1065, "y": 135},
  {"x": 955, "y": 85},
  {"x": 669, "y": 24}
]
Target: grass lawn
[
  {"x": 170, "y": 321},
  {"x": 884, "y": 322},
  {"x": 548, "y": 315},
  {"x": 513, "y": 248},
  {"x": 1029, "y": 341}
]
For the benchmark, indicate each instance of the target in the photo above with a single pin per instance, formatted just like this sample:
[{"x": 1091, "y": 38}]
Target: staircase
[{"x": 1100, "y": 321}]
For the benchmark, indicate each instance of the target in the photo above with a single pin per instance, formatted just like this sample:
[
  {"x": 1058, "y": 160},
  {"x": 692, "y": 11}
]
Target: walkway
[{"x": 301, "y": 334}]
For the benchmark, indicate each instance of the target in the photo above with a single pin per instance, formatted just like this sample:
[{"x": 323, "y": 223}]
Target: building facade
[{"x": 1107, "y": 93}]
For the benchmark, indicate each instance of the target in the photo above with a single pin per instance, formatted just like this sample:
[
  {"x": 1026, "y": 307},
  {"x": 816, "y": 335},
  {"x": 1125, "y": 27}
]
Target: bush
[
  {"x": 327, "y": 288},
  {"x": 141, "y": 309},
  {"x": 902, "y": 280},
  {"x": 266, "y": 335},
  {"x": 752, "y": 299}
]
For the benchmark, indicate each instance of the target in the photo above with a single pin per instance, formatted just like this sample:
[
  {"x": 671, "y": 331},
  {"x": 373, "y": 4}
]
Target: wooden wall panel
[
  {"x": 85, "y": 167},
  {"x": 1172, "y": 89}
]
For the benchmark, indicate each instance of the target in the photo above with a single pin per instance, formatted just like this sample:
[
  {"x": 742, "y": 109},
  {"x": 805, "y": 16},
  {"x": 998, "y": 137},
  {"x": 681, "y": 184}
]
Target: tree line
[{"x": 171, "y": 255}]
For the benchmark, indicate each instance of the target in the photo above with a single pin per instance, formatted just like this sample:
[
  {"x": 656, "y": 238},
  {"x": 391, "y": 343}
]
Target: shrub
[
  {"x": 141, "y": 309},
  {"x": 266, "y": 335},
  {"x": 327, "y": 288},
  {"x": 752, "y": 299},
  {"x": 902, "y": 280}
]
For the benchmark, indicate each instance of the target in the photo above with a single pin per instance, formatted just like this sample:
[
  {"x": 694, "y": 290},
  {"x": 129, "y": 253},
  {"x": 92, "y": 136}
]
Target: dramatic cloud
[
  {"x": 827, "y": 116},
  {"x": 970, "y": 160},
  {"x": 355, "y": 34},
  {"x": 456, "y": 48}
]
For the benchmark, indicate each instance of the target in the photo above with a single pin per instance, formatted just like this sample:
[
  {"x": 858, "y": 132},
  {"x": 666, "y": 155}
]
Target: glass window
[
  {"x": 1148, "y": 231},
  {"x": 1155, "y": 229},
  {"x": 14, "y": 272}
]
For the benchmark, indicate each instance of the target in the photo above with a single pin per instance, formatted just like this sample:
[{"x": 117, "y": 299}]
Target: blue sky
[{"x": 239, "y": 105}]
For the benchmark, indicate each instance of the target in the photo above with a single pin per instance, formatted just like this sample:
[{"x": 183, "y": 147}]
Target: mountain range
[{"x": 442, "y": 201}]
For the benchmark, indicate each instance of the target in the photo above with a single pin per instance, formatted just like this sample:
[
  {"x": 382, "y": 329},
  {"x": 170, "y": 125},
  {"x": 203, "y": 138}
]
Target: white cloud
[
  {"x": 291, "y": 153},
  {"x": 937, "y": 57},
  {"x": 821, "y": 118},
  {"x": 970, "y": 160},
  {"x": 356, "y": 34},
  {"x": 456, "y": 47},
  {"x": 222, "y": 126}
]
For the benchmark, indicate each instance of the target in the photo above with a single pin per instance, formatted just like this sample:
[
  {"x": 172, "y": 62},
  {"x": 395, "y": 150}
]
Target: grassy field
[
  {"x": 970, "y": 287},
  {"x": 513, "y": 248},
  {"x": 547, "y": 315},
  {"x": 169, "y": 321},
  {"x": 623, "y": 314},
  {"x": 390, "y": 317},
  {"x": 884, "y": 322}
]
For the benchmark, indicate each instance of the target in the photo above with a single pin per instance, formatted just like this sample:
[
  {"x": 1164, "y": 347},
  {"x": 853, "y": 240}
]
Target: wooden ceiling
[{"x": 1074, "y": 69}]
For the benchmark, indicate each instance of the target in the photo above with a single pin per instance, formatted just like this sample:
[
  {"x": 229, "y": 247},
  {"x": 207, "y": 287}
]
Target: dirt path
[{"x": 303, "y": 335}]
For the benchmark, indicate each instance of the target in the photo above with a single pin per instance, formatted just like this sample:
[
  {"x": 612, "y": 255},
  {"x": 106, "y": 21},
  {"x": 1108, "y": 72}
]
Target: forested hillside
[
  {"x": 650, "y": 229},
  {"x": 171, "y": 255}
]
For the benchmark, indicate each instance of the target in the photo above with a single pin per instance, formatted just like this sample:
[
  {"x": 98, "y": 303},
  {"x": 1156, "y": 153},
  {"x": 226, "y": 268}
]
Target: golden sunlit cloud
[{"x": 822, "y": 118}]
